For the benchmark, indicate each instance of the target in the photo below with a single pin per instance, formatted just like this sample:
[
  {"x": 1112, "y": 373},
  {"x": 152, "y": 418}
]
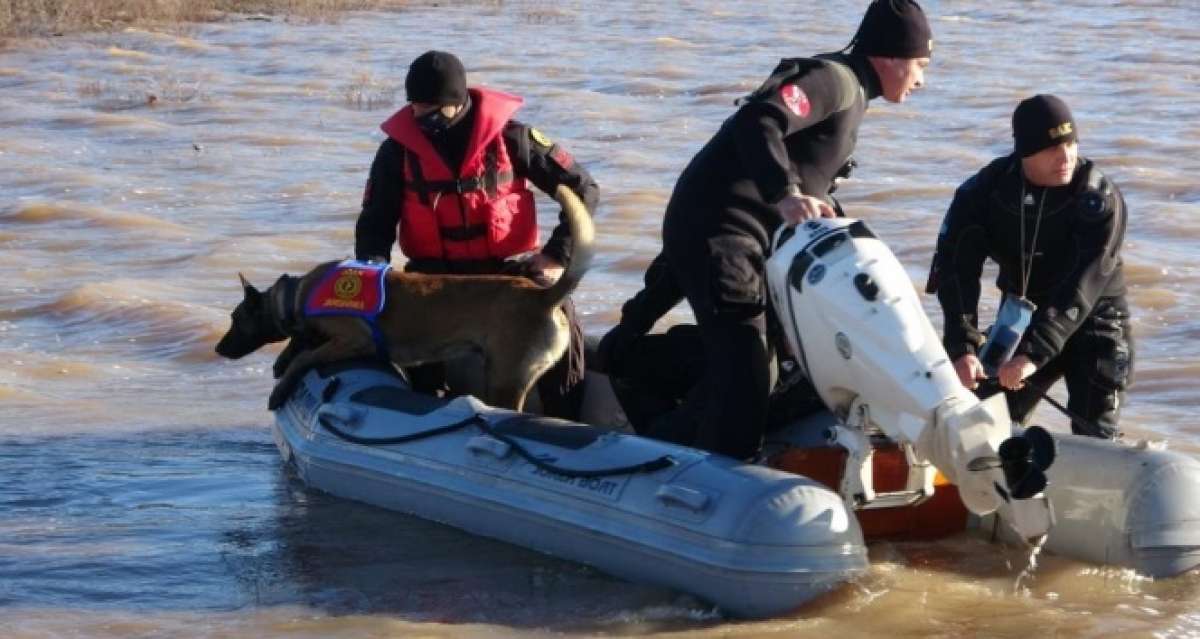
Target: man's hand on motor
[
  {"x": 796, "y": 208},
  {"x": 970, "y": 370},
  {"x": 1012, "y": 373}
]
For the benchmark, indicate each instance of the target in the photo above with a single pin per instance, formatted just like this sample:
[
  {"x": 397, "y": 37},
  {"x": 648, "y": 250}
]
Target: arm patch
[
  {"x": 540, "y": 138},
  {"x": 795, "y": 100},
  {"x": 562, "y": 158}
]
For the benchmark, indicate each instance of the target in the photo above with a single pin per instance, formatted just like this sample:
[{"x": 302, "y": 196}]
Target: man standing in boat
[
  {"x": 451, "y": 181},
  {"x": 1054, "y": 224},
  {"x": 774, "y": 161}
]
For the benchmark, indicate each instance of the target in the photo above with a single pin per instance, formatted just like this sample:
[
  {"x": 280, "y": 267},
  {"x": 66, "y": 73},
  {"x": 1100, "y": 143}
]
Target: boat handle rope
[{"x": 654, "y": 465}]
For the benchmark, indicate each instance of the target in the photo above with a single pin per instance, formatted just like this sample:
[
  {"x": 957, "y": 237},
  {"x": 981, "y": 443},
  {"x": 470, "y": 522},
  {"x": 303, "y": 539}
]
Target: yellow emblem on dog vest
[
  {"x": 540, "y": 137},
  {"x": 1061, "y": 130},
  {"x": 355, "y": 289},
  {"x": 348, "y": 285},
  {"x": 350, "y": 288}
]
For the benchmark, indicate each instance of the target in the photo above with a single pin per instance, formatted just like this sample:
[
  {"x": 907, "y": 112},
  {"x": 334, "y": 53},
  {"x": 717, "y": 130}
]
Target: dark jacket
[
  {"x": 1074, "y": 263},
  {"x": 798, "y": 129}
]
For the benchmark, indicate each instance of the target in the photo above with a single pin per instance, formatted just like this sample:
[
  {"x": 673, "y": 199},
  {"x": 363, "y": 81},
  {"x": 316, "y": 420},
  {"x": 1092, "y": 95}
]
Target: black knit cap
[
  {"x": 1041, "y": 122},
  {"x": 436, "y": 77},
  {"x": 894, "y": 29}
]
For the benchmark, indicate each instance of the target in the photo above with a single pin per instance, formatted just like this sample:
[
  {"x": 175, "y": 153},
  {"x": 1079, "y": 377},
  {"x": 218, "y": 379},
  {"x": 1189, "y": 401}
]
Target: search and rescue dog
[{"x": 517, "y": 325}]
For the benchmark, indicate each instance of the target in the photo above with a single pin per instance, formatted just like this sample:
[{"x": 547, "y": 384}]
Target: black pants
[
  {"x": 560, "y": 388},
  {"x": 1097, "y": 364},
  {"x": 721, "y": 277}
]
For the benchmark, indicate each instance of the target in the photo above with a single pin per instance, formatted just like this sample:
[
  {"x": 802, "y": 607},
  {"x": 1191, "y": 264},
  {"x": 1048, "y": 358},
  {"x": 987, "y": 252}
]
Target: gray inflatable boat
[
  {"x": 754, "y": 541},
  {"x": 1128, "y": 503}
]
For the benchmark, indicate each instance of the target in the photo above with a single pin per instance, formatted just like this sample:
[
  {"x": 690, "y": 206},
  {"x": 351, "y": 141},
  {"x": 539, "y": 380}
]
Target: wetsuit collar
[
  {"x": 1078, "y": 183},
  {"x": 865, "y": 73},
  {"x": 1024, "y": 192}
]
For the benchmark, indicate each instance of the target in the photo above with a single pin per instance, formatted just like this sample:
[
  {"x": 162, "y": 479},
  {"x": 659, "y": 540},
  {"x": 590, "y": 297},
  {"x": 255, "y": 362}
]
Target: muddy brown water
[{"x": 140, "y": 493}]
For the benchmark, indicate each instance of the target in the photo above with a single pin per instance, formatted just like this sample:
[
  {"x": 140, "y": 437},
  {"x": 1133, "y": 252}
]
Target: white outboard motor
[{"x": 855, "y": 325}]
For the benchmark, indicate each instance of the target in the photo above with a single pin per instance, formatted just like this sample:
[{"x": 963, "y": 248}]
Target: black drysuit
[
  {"x": 1080, "y": 329},
  {"x": 797, "y": 130},
  {"x": 547, "y": 165}
]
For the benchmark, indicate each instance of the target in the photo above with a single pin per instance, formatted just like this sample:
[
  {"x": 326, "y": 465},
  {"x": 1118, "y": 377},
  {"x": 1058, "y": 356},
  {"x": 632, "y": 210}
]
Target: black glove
[{"x": 612, "y": 349}]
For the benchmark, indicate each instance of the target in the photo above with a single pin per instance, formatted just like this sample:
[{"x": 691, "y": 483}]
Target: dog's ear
[
  {"x": 245, "y": 282},
  {"x": 253, "y": 296}
]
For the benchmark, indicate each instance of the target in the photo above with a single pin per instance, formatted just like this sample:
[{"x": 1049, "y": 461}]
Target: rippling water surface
[{"x": 140, "y": 494}]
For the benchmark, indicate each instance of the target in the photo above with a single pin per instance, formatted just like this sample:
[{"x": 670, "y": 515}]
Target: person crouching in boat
[
  {"x": 1054, "y": 224},
  {"x": 773, "y": 162},
  {"x": 450, "y": 182}
]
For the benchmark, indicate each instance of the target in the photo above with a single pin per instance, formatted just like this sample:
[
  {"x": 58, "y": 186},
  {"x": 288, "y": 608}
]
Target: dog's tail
[{"x": 583, "y": 235}]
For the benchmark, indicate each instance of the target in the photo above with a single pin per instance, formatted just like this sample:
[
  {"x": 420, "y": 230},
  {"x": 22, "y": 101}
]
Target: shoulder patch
[
  {"x": 540, "y": 138},
  {"x": 562, "y": 158},
  {"x": 789, "y": 70},
  {"x": 795, "y": 100}
]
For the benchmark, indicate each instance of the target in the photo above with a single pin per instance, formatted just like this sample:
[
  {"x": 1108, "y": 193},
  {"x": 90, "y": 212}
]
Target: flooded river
[{"x": 140, "y": 171}]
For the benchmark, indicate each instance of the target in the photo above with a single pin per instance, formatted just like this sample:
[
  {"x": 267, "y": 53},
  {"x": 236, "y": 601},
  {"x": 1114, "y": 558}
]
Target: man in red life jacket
[{"x": 451, "y": 181}]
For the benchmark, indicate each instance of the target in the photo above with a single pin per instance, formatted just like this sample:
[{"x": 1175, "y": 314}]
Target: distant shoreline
[{"x": 38, "y": 18}]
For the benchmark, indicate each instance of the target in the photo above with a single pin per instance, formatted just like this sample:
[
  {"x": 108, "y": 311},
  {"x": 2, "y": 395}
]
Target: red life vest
[{"x": 483, "y": 212}]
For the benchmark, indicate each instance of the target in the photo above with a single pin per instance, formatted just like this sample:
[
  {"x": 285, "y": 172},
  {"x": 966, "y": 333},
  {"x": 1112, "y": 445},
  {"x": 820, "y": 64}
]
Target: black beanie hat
[
  {"x": 1041, "y": 122},
  {"x": 436, "y": 77},
  {"x": 894, "y": 29}
]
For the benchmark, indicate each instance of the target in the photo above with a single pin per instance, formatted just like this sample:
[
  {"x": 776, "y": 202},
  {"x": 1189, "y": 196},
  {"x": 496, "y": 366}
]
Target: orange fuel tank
[{"x": 939, "y": 516}]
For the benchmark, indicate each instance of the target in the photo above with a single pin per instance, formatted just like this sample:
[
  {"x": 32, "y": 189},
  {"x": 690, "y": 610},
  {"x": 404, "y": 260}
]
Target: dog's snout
[
  {"x": 241, "y": 339},
  {"x": 223, "y": 347}
]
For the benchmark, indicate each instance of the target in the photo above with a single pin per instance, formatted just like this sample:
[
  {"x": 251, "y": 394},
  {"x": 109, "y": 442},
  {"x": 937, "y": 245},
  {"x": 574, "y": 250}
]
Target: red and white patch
[
  {"x": 795, "y": 100},
  {"x": 562, "y": 158}
]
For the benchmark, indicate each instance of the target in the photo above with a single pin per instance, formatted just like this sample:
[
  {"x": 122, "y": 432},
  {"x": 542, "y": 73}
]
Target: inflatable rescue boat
[
  {"x": 755, "y": 541},
  {"x": 902, "y": 450}
]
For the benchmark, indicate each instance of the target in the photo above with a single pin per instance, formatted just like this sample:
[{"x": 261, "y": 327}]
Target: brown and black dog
[{"x": 514, "y": 323}]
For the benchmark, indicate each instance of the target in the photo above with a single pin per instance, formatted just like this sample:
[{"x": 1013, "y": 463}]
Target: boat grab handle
[
  {"x": 690, "y": 498},
  {"x": 340, "y": 414},
  {"x": 489, "y": 445}
]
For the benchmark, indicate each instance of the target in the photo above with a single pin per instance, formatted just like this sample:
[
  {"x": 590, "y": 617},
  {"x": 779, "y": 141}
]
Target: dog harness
[
  {"x": 482, "y": 211},
  {"x": 355, "y": 289}
]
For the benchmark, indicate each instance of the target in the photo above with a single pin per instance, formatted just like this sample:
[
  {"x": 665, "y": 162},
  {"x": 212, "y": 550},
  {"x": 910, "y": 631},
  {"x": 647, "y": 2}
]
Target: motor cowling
[
  {"x": 855, "y": 325},
  {"x": 854, "y": 322}
]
